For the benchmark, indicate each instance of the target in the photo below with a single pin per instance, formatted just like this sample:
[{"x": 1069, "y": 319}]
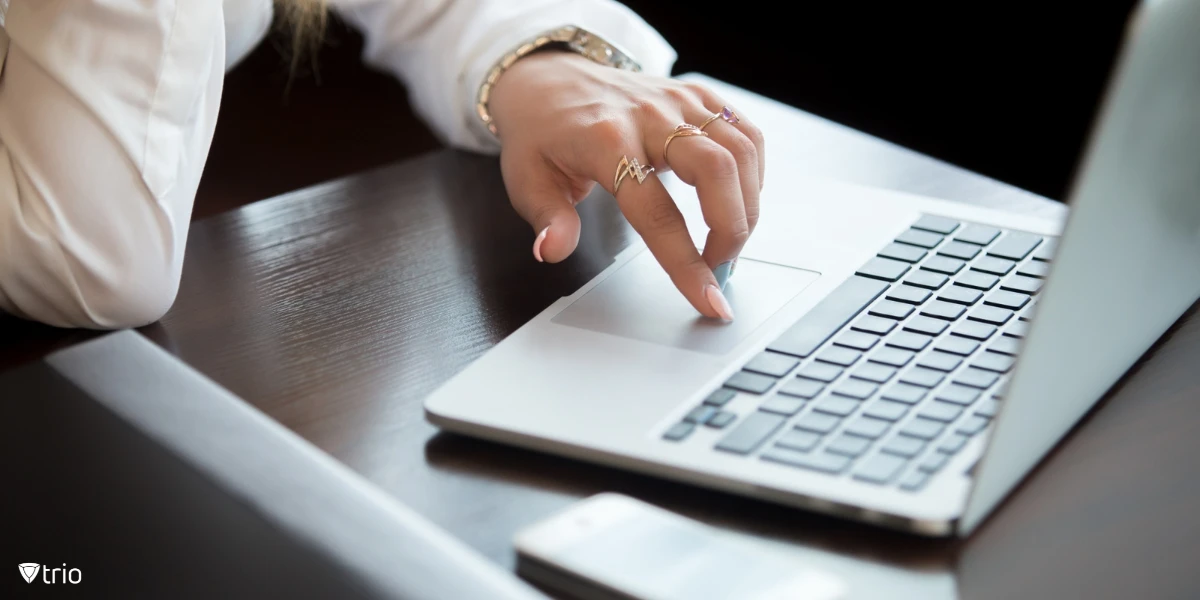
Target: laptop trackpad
[{"x": 639, "y": 301}]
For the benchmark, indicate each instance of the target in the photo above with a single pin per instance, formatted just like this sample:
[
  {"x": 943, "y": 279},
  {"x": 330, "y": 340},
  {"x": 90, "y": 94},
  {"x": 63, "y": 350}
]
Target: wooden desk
[{"x": 336, "y": 309}]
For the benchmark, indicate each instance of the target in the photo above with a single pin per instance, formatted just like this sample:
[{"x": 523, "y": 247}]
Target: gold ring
[
  {"x": 726, "y": 114},
  {"x": 630, "y": 167},
  {"x": 681, "y": 130}
]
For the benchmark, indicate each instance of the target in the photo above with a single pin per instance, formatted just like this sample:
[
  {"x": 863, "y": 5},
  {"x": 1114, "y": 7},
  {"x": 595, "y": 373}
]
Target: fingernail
[
  {"x": 718, "y": 302},
  {"x": 537, "y": 244},
  {"x": 722, "y": 273}
]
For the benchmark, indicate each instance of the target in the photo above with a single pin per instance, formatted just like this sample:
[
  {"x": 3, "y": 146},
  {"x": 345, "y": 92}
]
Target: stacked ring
[
  {"x": 726, "y": 114},
  {"x": 681, "y": 130}
]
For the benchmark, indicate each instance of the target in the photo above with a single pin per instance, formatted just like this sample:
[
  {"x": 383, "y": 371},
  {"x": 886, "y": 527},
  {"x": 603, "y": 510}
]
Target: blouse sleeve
[
  {"x": 443, "y": 48},
  {"x": 107, "y": 111}
]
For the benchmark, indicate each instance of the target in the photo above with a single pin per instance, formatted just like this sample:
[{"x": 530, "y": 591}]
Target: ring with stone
[{"x": 726, "y": 114}]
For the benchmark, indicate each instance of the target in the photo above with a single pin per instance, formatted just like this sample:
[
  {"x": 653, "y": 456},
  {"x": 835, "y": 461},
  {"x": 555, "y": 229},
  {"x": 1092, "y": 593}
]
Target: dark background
[{"x": 1007, "y": 89}]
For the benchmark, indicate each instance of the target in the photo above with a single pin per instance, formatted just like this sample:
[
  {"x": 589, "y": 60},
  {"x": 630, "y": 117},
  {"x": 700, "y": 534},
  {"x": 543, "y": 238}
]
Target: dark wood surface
[{"x": 336, "y": 309}]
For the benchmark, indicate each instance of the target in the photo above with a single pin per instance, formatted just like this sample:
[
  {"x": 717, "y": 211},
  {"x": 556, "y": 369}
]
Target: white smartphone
[{"x": 611, "y": 546}]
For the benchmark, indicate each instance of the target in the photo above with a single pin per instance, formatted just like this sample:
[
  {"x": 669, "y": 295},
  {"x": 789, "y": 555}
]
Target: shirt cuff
[{"x": 611, "y": 21}]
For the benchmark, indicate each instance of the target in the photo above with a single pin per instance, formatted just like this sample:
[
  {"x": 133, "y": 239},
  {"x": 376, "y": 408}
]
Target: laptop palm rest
[{"x": 640, "y": 302}]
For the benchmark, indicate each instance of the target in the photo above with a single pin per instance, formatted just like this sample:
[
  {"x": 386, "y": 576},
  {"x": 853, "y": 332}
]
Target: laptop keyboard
[{"x": 892, "y": 373}]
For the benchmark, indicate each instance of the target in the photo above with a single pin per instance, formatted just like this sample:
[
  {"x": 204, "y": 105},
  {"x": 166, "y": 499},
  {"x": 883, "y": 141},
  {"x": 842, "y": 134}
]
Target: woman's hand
[{"x": 565, "y": 123}]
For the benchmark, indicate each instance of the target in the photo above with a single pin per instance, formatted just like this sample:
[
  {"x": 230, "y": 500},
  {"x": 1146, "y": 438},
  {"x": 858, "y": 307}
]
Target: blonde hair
[{"x": 304, "y": 22}]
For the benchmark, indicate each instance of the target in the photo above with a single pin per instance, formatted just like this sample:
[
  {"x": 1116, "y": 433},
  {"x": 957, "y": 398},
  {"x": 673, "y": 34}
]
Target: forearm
[{"x": 443, "y": 48}]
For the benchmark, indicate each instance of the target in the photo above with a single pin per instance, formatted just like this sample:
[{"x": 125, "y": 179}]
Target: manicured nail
[
  {"x": 718, "y": 302},
  {"x": 537, "y": 244},
  {"x": 722, "y": 273}
]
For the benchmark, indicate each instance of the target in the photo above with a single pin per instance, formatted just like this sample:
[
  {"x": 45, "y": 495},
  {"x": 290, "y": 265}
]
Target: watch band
[{"x": 575, "y": 39}]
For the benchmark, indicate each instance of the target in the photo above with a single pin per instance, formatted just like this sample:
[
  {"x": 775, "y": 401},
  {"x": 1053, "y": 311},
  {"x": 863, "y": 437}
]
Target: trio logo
[{"x": 29, "y": 571}]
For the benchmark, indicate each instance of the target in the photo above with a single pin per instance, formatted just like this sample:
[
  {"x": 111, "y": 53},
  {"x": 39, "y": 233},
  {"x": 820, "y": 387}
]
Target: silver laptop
[{"x": 896, "y": 359}]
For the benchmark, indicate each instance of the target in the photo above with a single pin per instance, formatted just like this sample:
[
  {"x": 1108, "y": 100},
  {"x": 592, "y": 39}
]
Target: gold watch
[{"x": 575, "y": 39}]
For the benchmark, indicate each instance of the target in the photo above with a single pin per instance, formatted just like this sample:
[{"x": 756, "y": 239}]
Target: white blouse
[{"x": 107, "y": 110}]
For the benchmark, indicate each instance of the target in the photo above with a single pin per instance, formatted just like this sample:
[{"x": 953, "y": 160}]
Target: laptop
[{"x": 896, "y": 359}]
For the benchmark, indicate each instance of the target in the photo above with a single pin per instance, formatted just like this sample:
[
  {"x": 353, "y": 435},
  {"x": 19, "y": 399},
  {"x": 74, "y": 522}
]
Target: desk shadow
[{"x": 493, "y": 461}]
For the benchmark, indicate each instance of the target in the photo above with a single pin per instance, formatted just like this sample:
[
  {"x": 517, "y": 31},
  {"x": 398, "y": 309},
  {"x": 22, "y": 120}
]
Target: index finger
[{"x": 653, "y": 214}]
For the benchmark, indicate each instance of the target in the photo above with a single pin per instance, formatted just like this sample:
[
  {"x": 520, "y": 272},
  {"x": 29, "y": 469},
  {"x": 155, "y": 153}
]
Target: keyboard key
[
  {"x": 802, "y": 388},
  {"x": 771, "y": 363},
  {"x": 958, "y": 394},
  {"x": 921, "y": 377},
  {"x": 943, "y": 310},
  {"x": 940, "y": 411},
  {"x": 1015, "y": 246},
  {"x": 953, "y": 443},
  {"x": 679, "y": 431},
  {"x": 980, "y": 235},
  {"x": 940, "y": 361},
  {"x": 1006, "y": 299},
  {"x": 991, "y": 361},
  {"x": 1001, "y": 390},
  {"x": 720, "y": 397},
  {"x": 868, "y": 427},
  {"x": 1034, "y": 269},
  {"x": 960, "y": 295},
  {"x": 701, "y": 414},
  {"x": 926, "y": 279},
  {"x": 908, "y": 294},
  {"x": 1017, "y": 329},
  {"x": 1045, "y": 252},
  {"x": 908, "y": 341},
  {"x": 934, "y": 462},
  {"x": 974, "y": 331},
  {"x": 903, "y": 446},
  {"x": 848, "y": 445},
  {"x": 782, "y": 405},
  {"x": 943, "y": 264},
  {"x": 956, "y": 345},
  {"x": 990, "y": 314},
  {"x": 987, "y": 408},
  {"x": 891, "y": 310},
  {"x": 828, "y": 316},
  {"x": 1022, "y": 284},
  {"x": 856, "y": 340},
  {"x": 903, "y": 392},
  {"x": 977, "y": 378},
  {"x": 923, "y": 429},
  {"x": 842, "y": 357},
  {"x": 993, "y": 265},
  {"x": 888, "y": 411},
  {"x": 959, "y": 250},
  {"x": 881, "y": 469},
  {"x": 914, "y": 481},
  {"x": 883, "y": 269},
  {"x": 750, "y": 382},
  {"x": 856, "y": 388},
  {"x": 973, "y": 425},
  {"x": 820, "y": 461},
  {"x": 819, "y": 372},
  {"x": 926, "y": 326},
  {"x": 834, "y": 405},
  {"x": 893, "y": 357},
  {"x": 1006, "y": 345},
  {"x": 916, "y": 237},
  {"x": 799, "y": 440},
  {"x": 751, "y": 432},
  {"x": 936, "y": 224},
  {"x": 875, "y": 325},
  {"x": 977, "y": 280},
  {"x": 817, "y": 422},
  {"x": 902, "y": 252},
  {"x": 721, "y": 420},
  {"x": 874, "y": 372}
]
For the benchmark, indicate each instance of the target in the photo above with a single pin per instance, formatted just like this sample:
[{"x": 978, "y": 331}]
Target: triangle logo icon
[{"x": 29, "y": 571}]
